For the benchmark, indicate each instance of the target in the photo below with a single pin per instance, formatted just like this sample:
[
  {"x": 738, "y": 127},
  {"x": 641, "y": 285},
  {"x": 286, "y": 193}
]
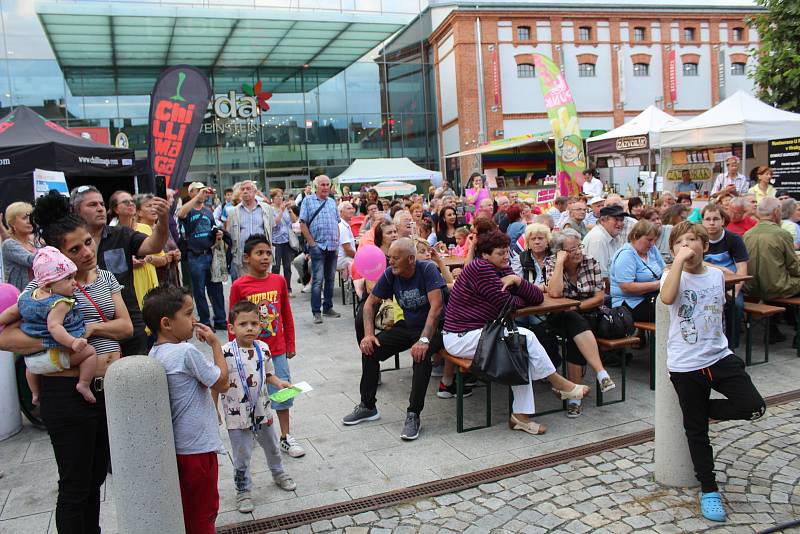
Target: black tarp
[{"x": 29, "y": 141}]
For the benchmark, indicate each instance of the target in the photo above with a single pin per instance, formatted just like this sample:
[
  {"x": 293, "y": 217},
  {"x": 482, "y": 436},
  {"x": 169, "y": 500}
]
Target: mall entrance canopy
[
  {"x": 120, "y": 48},
  {"x": 363, "y": 171}
]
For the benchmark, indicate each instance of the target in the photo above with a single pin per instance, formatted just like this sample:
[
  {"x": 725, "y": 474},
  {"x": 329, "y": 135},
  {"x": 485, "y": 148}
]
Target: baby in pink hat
[{"x": 48, "y": 313}]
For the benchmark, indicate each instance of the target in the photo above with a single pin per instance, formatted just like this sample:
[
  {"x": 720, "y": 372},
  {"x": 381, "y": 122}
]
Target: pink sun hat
[{"x": 50, "y": 265}]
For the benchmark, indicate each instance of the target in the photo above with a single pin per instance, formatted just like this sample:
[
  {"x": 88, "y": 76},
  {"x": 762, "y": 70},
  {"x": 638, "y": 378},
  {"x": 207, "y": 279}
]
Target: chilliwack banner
[
  {"x": 570, "y": 158},
  {"x": 180, "y": 98}
]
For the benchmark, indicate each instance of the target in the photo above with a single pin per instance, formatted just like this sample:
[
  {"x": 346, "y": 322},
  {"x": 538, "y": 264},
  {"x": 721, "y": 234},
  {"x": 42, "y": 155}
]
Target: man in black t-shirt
[{"x": 116, "y": 246}]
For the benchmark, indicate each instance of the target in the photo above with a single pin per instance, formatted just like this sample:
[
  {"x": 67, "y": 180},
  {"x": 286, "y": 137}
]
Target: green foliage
[{"x": 777, "y": 73}]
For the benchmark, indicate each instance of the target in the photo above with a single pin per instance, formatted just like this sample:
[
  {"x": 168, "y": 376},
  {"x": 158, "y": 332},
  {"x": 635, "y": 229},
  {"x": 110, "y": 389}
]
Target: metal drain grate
[{"x": 450, "y": 485}]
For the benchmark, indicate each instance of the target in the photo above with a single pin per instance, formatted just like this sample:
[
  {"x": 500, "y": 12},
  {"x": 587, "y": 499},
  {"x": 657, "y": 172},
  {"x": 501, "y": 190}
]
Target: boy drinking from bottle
[{"x": 698, "y": 357}]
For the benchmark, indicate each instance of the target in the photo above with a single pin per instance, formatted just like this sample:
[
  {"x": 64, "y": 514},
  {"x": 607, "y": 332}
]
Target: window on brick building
[
  {"x": 586, "y": 70},
  {"x": 690, "y": 69},
  {"x": 689, "y": 35},
  {"x": 584, "y": 33},
  {"x": 641, "y": 69},
  {"x": 639, "y": 33},
  {"x": 523, "y": 33},
  {"x": 526, "y": 70},
  {"x": 737, "y": 34},
  {"x": 737, "y": 69}
]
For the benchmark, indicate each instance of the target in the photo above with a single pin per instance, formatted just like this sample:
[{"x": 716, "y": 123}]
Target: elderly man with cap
[
  {"x": 116, "y": 247},
  {"x": 595, "y": 205},
  {"x": 603, "y": 241},
  {"x": 198, "y": 225}
]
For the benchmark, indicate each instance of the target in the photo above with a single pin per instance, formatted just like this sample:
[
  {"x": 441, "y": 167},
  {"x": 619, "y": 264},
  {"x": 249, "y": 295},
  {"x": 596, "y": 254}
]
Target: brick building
[{"x": 616, "y": 58}]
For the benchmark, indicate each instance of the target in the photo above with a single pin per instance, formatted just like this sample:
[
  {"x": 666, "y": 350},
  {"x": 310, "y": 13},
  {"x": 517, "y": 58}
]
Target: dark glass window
[
  {"x": 689, "y": 35},
  {"x": 526, "y": 70},
  {"x": 523, "y": 33},
  {"x": 586, "y": 70},
  {"x": 641, "y": 69},
  {"x": 639, "y": 33},
  {"x": 737, "y": 69},
  {"x": 584, "y": 33},
  {"x": 690, "y": 69}
]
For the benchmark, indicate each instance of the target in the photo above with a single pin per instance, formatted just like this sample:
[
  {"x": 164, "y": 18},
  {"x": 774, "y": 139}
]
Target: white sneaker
[
  {"x": 290, "y": 446},
  {"x": 306, "y": 288},
  {"x": 244, "y": 503}
]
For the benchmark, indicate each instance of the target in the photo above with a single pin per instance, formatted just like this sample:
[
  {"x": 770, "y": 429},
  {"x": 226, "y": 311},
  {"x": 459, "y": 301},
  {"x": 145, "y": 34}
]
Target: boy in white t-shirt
[{"x": 698, "y": 357}]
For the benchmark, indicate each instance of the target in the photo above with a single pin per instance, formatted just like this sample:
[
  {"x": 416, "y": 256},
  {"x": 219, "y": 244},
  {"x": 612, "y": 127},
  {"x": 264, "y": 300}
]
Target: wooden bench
[
  {"x": 649, "y": 330},
  {"x": 462, "y": 366},
  {"x": 761, "y": 313},
  {"x": 794, "y": 302},
  {"x": 606, "y": 345}
]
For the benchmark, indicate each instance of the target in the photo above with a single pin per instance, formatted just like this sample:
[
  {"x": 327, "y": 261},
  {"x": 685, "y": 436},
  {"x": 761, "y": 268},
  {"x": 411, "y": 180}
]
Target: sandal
[
  {"x": 577, "y": 393},
  {"x": 530, "y": 427},
  {"x": 711, "y": 506}
]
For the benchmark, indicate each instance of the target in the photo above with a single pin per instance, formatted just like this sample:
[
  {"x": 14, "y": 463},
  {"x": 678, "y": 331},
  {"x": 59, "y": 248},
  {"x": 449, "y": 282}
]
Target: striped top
[
  {"x": 478, "y": 296},
  {"x": 101, "y": 291}
]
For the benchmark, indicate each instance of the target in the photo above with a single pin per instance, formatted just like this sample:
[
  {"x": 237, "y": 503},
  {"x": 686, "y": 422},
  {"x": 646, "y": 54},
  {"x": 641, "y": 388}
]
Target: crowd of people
[{"x": 98, "y": 283}]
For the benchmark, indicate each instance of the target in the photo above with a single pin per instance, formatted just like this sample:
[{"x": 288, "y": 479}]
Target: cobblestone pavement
[{"x": 613, "y": 492}]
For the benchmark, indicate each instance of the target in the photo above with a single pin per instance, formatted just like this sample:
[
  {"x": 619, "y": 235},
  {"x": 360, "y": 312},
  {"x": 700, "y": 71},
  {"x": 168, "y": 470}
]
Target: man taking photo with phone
[{"x": 201, "y": 235}]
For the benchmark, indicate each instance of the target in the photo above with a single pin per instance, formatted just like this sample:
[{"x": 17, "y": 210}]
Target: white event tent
[
  {"x": 386, "y": 169},
  {"x": 740, "y": 118},
  {"x": 649, "y": 122}
]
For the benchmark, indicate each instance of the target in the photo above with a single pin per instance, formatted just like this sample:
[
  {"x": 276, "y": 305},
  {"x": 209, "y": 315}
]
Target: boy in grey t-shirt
[{"x": 169, "y": 313}]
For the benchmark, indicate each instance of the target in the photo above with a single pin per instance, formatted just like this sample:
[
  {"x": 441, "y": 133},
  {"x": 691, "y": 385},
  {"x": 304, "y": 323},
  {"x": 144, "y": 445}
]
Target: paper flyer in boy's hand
[{"x": 287, "y": 393}]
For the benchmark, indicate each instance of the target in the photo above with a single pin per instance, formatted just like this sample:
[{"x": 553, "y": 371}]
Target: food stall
[
  {"x": 740, "y": 125},
  {"x": 625, "y": 155}
]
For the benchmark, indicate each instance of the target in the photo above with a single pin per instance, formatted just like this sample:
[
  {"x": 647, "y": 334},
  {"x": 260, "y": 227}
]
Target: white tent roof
[
  {"x": 739, "y": 118},
  {"x": 385, "y": 169},
  {"x": 648, "y": 122}
]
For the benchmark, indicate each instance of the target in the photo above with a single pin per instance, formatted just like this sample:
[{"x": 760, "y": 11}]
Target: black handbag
[
  {"x": 614, "y": 323},
  {"x": 502, "y": 353}
]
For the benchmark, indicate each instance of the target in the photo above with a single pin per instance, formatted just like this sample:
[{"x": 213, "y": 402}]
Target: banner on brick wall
[
  {"x": 179, "y": 101},
  {"x": 570, "y": 157}
]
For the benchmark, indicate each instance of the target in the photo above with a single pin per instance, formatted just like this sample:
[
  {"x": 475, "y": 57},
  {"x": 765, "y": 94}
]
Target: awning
[
  {"x": 119, "y": 48},
  {"x": 505, "y": 144},
  {"x": 367, "y": 170}
]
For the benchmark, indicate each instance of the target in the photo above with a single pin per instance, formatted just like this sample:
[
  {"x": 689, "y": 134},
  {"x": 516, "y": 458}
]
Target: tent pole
[
  {"x": 743, "y": 166},
  {"x": 650, "y": 166}
]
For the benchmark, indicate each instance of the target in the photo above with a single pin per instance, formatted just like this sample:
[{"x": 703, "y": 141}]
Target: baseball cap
[
  {"x": 612, "y": 211},
  {"x": 196, "y": 185},
  {"x": 595, "y": 200}
]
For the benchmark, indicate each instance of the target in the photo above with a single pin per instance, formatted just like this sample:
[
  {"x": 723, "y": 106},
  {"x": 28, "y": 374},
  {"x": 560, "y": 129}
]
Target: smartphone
[{"x": 161, "y": 186}]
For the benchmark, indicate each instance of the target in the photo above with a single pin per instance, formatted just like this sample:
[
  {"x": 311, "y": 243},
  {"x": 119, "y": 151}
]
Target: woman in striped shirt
[
  {"x": 480, "y": 292},
  {"x": 77, "y": 429}
]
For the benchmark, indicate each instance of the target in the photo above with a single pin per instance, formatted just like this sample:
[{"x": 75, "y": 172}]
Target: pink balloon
[
  {"x": 8, "y": 296},
  {"x": 370, "y": 262}
]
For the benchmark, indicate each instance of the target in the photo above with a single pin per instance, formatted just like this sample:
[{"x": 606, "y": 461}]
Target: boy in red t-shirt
[{"x": 270, "y": 293}]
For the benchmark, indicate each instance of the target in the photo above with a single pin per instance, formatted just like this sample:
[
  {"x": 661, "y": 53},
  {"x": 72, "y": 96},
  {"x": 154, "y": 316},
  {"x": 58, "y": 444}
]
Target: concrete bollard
[
  {"x": 10, "y": 416},
  {"x": 146, "y": 489},
  {"x": 673, "y": 462}
]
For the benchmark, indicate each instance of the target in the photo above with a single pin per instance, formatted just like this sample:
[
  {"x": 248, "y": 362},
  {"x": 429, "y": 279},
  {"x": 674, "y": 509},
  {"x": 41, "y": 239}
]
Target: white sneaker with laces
[{"x": 290, "y": 446}]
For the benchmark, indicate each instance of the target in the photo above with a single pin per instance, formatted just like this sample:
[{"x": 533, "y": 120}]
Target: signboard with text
[{"x": 784, "y": 158}]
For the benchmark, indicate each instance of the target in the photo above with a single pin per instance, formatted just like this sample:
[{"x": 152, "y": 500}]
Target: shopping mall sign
[{"x": 245, "y": 106}]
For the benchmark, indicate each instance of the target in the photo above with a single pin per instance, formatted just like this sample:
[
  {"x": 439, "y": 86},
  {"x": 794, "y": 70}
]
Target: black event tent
[{"x": 28, "y": 141}]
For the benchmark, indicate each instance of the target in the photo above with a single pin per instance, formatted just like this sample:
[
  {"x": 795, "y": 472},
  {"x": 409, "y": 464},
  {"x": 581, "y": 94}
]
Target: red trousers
[{"x": 198, "y": 478}]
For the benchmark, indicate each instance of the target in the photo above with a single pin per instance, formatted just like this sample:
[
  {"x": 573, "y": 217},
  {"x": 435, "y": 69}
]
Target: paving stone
[
  {"x": 426, "y": 515},
  {"x": 595, "y": 520},
  {"x": 447, "y": 500},
  {"x": 322, "y": 526},
  {"x": 638, "y": 521},
  {"x": 692, "y": 525},
  {"x": 364, "y": 518},
  {"x": 491, "y": 488},
  {"x": 342, "y": 521}
]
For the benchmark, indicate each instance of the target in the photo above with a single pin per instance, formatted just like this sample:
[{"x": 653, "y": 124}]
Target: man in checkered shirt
[{"x": 319, "y": 222}]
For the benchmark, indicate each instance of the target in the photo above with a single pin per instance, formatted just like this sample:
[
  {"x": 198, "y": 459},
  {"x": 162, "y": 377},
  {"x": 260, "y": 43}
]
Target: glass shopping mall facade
[{"x": 340, "y": 88}]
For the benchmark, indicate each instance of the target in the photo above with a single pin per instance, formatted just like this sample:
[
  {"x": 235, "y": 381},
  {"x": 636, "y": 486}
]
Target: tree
[{"x": 777, "y": 72}]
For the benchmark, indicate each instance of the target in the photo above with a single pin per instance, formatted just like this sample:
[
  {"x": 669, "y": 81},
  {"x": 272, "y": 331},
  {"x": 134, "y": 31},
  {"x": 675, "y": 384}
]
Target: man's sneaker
[
  {"x": 306, "y": 288},
  {"x": 470, "y": 380},
  {"x": 410, "y": 427},
  {"x": 331, "y": 313},
  {"x": 448, "y": 392},
  {"x": 244, "y": 503},
  {"x": 360, "y": 414},
  {"x": 573, "y": 410},
  {"x": 317, "y": 318},
  {"x": 284, "y": 482},
  {"x": 607, "y": 384},
  {"x": 290, "y": 446},
  {"x": 437, "y": 370}
]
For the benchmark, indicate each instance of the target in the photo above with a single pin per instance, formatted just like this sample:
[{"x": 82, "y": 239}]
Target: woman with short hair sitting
[
  {"x": 481, "y": 291},
  {"x": 635, "y": 272}
]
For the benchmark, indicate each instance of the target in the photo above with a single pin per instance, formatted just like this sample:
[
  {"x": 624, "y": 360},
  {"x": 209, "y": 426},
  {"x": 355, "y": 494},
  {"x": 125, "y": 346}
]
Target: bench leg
[
  {"x": 748, "y": 349},
  {"x": 651, "y": 337},
  {"x": 397, "y": 360},
  {"x": 488, "y": 404},
  {"x": 459, "y": 401},
  {"x": 623, "y": 371},
  {"x": 766, "y": 340},
  {"x": 797, "y": 329}
]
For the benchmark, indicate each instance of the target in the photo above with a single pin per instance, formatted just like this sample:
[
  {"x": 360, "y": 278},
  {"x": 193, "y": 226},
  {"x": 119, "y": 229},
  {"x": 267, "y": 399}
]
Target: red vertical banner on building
[
  {"x": 179, "y": 101},
  {"x": 673, "y": 77},
  {"x": 496, "y": 76}
]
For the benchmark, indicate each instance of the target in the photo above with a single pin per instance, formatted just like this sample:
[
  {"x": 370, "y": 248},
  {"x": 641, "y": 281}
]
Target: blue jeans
[
  {"x": 200, "y": 270},
  {"x": 323, "y": 268}
]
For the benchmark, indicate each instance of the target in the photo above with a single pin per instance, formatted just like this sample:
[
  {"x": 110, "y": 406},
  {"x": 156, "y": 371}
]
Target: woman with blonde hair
[{"x": 19, "y": 249}]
